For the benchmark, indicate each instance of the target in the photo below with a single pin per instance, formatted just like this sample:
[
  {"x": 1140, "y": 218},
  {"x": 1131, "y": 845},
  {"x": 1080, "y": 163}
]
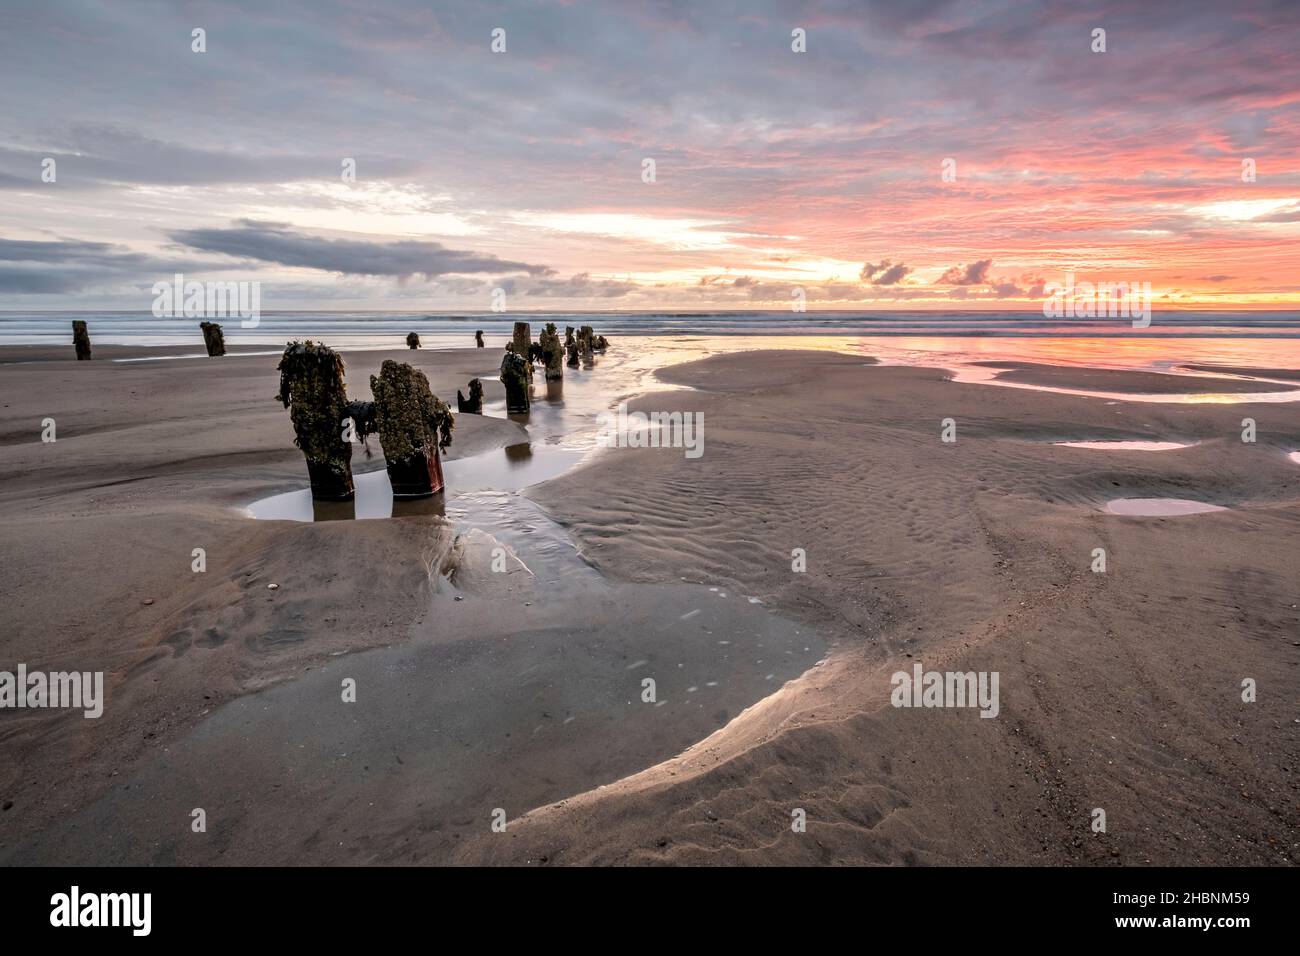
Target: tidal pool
[
  {"x": 1126, "y": 445},
  {"x": 1159, "y": 507},
  {"x": 512, "y": 468}
]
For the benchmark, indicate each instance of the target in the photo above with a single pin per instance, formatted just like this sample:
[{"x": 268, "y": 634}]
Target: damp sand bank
[{"x": 1118, "y": 690}]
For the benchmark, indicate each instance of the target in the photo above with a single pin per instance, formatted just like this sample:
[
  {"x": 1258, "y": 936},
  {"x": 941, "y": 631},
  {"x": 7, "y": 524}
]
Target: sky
[{"x": 669, "y": 156}]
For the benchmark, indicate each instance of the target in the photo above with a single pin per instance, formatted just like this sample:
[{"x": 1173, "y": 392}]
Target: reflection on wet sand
[
  {"x": 434, "y": 504},
  {"x": 333, "y": 510},
  {"x": 520, "y": 453}
]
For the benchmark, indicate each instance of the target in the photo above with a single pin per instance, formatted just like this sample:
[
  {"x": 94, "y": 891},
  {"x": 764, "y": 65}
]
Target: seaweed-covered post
[
  {"x": 523, "y": 342},
  {"x": 571, "y": 347},
  {"x": 213, "y": 338},
  {"x": 523, "y": 337},
  {"x": 312, "y": 388},
  {"x": 81, "y": 340},
  {"x": 474, "y": 404},
  {"x": 600, "y": 344},
  {"x": 514, "y": 376},
  {"x": 412, "y": 340},
  {"x": 586, "y": 344},
  {"x": 552, "y": 352},
  {"x": 413, "y": 425},
  {"x": 478, "y": 338}
]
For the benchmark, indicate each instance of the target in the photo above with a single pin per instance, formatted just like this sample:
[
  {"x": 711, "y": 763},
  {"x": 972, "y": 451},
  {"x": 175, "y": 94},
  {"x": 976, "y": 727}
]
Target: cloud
[
  {"x": 47, "y": 267},
  {"x": 97, "y": 155},
  {"x": 1289, "y": 213},
  {"x": 1107, "y": 165},
  {"x": 974, "y": 274},
  {"x": 884, "y": 273},
  {"x": 581, "y": 286},
  {"x": 402, "y": 258}
]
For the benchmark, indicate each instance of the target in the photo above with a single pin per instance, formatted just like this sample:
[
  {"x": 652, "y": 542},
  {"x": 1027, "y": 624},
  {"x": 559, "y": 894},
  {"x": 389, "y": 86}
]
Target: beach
[{"x": 523, "y": 692}]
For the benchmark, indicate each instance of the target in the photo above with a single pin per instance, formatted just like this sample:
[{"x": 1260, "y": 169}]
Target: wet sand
[
  {"x": 1119, "y": 690},
  {"x": 1285, "y": 374},
  {"x": 1120, "y": 380},
  {"x": 479, "y": 689}
]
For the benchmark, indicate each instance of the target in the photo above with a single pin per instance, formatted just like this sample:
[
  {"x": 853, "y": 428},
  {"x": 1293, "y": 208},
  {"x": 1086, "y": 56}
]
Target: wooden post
[
  {"x": 522, "y": 342},
  {"x": 474, "y": 404},
  {"x": 81, "y": 340},
  {"x": 213, "y": 338},
  {"x": 514, "y": 376},
  {"x": 312, "y": 388},
  {"x": 413, "y": 425},
  {"x": 552, "y": 352}
]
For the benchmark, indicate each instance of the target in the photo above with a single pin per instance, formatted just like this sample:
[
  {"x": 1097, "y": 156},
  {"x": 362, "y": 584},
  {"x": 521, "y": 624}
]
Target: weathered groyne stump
[
  {"x": 412, "y": 340},
  {"x": 552, "y": 352},
  {"x": 478, "y": 338},
  {"x": 81, "y": 340},
  {"x": 363, "y": 420},
  {"x": 522, "y": 342},
  {"x": 414, "y": 425},
  {"x": 514, "y": 376},
  {"x": 312, "y": 388},
  {"x": 474, "y": 404},
  {"x": 570, "y": 346},
  {"x": 586, "y": 346},
  {"x": 213, "y": 338},
  {"x": 523, "y": 337}
]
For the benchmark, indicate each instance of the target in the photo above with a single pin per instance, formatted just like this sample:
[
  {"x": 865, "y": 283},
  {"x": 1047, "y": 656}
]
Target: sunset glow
[{"x": 967, "y": 156}]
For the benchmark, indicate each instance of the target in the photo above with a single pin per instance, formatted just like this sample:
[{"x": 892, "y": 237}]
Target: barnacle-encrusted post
[
  {"x": 571, "y": 347},
  {"x": 478, "y": 338},
  {"x": 514, "y": 376},
  {"x": 586, "y": 344},
  {"x": 412, "y": 340},
  {"x": 552, "y": 352},
  {"x": 413, "y": 425},
  {"x": 213, "y": 338},
  {"x": 81, "y": 340},
  {"x": 523, "y": 341},
  {"x": 474, "y": 404},
  {"x": 312, "y": 388}
]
